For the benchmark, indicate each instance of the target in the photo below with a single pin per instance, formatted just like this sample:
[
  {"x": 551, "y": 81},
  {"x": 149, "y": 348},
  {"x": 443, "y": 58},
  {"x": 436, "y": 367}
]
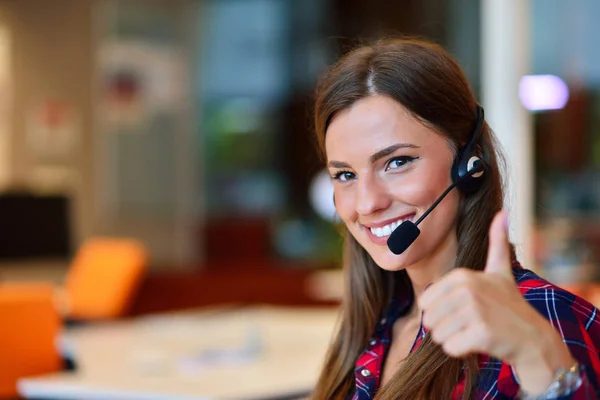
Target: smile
[{"x": 387, "y": 230}]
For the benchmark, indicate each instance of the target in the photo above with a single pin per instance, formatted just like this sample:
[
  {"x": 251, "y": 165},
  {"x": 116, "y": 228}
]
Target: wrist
[
  {"x": 537, "y": 365},
  {"x": 566, "y": 381}
]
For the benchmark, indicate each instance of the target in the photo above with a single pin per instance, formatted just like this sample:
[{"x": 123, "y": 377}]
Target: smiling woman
[
  {"x": 388, "y": 155},
  {"x": 393, "y": 120}
]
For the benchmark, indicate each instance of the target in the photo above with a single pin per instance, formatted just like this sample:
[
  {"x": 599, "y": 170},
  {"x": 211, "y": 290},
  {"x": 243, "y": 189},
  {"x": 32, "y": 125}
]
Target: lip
[
  {"x": 383, "y": 240},
  {"x": 388, "y": 221}
]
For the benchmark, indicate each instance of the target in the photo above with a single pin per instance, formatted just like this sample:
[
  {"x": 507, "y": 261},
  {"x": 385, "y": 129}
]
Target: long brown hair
[{"x": 424, "y": 79}]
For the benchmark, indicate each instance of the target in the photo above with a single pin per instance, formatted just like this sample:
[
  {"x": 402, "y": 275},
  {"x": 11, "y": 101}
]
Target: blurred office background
[{"x": 186, "y": 126}]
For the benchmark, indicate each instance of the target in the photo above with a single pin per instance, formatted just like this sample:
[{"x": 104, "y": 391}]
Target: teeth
[{"x": 388, "y": 229}]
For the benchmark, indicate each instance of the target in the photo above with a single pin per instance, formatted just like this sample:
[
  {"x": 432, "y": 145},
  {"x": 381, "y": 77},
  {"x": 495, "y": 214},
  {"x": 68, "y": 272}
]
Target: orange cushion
[
  {"x": 104, "y": 278},
  {"x": 29, "y": 327}
]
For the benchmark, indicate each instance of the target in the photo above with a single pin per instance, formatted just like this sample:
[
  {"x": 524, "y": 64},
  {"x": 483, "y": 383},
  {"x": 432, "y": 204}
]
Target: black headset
[{"x": 466, "y": 160}]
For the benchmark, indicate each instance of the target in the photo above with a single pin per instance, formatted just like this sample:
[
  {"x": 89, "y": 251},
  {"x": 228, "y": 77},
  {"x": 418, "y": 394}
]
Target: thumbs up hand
[
  {"x": 483, "y": 312},
  {"x": 499, "y": 257}
]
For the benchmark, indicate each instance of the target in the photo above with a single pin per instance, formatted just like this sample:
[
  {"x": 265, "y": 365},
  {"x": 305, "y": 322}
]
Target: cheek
[
  {"x": 344, "y": 204},
  {"x": 421, "y": 190}
]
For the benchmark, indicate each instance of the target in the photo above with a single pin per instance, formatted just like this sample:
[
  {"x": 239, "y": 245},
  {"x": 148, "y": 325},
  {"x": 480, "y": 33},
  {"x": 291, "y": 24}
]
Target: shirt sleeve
[{"x": 577, "y": 322}]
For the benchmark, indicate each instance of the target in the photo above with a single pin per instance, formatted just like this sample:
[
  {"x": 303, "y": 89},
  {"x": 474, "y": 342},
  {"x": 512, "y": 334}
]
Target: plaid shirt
[{"x": 575, "y": 319}]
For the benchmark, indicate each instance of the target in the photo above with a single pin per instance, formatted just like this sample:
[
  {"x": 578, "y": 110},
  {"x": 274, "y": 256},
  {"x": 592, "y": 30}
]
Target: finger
[
  {"x": 450, "y": 326},
  {"x": 499, "y": 257},
  {"x": 473, "y": 338},
  {"x": 441, "y": 289},
  {"x": 453, "y": 302}
]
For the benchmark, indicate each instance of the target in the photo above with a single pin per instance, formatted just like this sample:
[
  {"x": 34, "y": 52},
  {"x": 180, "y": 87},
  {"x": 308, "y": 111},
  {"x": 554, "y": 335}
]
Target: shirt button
[
  {"x": 383, "y": 321},
  {"x": 365, "y": 372},
  {"x": 373, "y": 342}
]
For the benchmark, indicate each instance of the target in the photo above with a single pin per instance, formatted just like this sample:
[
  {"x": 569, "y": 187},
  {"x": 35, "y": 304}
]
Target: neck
[{"x": 432, "y": 268}]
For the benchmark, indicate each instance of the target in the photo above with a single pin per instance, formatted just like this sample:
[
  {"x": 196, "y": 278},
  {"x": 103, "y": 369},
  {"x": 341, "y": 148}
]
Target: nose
[{"x": 372, "y": 196}]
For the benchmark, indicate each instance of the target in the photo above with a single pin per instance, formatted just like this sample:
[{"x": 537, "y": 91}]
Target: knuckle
[
  {"x": 468, "y": 295},
  {"x": 436, "y": 336},
  {"x": 461, "y": 274},
  {"x": 427, "y": 319},
  {"x": 485, "y": 336},
  {"x": 450, "y": 349}
]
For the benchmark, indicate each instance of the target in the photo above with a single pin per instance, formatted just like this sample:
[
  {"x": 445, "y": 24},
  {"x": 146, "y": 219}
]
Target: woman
[{"x": 454, "y": 315}]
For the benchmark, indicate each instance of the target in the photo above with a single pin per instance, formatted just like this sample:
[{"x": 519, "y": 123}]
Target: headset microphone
[
  {"x": 467, "y": 170},
  {"x": 407, "y": 232}
]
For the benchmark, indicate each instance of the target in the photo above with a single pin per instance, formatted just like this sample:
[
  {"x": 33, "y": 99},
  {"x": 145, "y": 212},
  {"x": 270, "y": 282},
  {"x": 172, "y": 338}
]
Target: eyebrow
[{"x": 377, "y": 156}]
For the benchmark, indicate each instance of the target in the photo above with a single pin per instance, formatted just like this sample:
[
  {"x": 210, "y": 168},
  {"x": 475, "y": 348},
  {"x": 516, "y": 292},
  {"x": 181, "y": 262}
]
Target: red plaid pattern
[{"x": 574, "y": 318}]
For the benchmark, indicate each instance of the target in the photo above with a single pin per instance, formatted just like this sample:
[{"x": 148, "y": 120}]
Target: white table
[{"x": 249, "y": 353}]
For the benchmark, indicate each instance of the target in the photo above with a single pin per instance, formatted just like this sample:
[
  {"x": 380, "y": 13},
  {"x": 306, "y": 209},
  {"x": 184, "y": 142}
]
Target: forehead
[{"x": 374, "y": 123}]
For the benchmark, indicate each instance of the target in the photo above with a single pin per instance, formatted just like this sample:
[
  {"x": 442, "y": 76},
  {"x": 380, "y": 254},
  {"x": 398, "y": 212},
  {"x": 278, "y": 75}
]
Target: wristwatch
[{"x": 565, "y": 382}]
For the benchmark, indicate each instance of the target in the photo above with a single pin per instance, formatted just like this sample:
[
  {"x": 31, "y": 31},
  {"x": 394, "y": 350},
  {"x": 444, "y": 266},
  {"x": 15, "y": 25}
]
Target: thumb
[{"x": 499, "y": 257}]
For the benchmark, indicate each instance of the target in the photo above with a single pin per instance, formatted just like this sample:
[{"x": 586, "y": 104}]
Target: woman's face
[{"x": 388, "y": 167}]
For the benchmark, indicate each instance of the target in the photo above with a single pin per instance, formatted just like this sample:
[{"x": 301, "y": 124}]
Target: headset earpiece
[
  {"x": 475, "y": 163},
  {"x": 468, "y": 167}
]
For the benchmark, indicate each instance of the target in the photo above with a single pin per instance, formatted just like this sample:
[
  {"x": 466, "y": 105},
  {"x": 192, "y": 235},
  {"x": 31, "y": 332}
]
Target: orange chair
[
  {"x": 104, "y": 278},
  {"x": 29, "y": 326}
]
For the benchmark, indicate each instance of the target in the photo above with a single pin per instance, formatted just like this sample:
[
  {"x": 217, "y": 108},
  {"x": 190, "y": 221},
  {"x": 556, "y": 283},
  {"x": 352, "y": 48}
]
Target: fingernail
[{"x": 426, "y": 286}]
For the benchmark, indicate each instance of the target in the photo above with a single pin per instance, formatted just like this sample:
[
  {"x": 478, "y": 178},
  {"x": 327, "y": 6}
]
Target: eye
[
  {"x": 343, "y": 176},
  {"x": 399, "y": 162}
]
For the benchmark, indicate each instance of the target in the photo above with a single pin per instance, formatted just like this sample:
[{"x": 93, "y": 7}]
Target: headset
[{"x": 466, "y": 159}]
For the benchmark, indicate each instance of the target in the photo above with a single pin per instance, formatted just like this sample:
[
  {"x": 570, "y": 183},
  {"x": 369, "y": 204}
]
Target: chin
[{"x": 389, "y": 261}]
